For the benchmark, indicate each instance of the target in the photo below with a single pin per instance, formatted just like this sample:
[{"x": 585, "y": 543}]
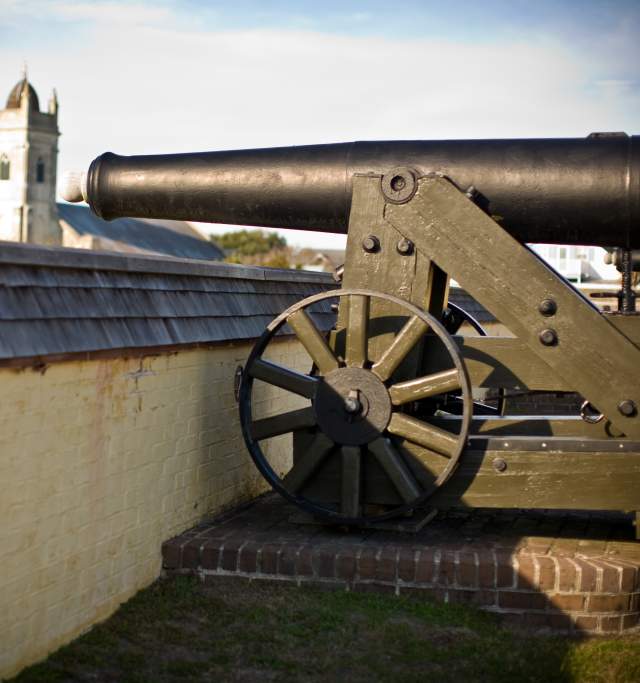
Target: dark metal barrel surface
[{"x": 566, "y": 191}]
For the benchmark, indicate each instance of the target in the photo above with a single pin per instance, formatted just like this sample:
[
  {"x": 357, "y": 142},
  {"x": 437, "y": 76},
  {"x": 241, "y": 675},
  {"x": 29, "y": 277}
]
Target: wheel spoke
[
  {"x": 285, "y": 378},
  {"x": 423, "y": 434},
  {"x": 396, "y": 469},
  {"x": 313, "y": 341},
  {"x": 283, "y": 424},
  {"x": 400, "y": 348},
  {"x": 422, "y": 387},
  {"x": 351, "y": 481},
  {"x": 307, "y": 464},
  {"x": 356, "y": 344}
]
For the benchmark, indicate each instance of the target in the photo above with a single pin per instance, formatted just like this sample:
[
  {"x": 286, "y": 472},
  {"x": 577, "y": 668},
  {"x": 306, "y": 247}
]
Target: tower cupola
[{"x": 23, "y": 90}]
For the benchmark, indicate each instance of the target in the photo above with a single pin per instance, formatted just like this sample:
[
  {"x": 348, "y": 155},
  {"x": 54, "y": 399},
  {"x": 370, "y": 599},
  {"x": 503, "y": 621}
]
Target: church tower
[{"x": 28, "y": 162}]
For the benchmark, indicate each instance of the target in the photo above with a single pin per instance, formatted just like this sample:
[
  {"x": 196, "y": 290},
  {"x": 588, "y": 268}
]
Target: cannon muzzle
[{"x": 566, "y": 191}]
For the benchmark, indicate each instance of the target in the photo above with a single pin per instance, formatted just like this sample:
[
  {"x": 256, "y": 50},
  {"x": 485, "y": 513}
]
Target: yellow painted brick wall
[{"x": 100, "y": 462}]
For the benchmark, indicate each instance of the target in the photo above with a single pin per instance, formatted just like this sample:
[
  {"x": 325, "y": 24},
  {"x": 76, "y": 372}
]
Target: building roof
[
  {"x": 15, "y": 96},
  {"x": 55, "y": 301},
  {"x": 318, "y": 259},
  {"x": 169, "y": 238}
]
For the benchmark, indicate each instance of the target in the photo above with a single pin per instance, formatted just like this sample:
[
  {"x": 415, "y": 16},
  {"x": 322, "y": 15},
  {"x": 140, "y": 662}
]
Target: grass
[{"x": 181, "y": 630}]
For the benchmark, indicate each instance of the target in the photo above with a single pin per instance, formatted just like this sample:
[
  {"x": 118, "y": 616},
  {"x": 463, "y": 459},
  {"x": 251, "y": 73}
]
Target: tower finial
[
  {"x": 25, "y": 70},
  {"x": 53, "y": 102}
]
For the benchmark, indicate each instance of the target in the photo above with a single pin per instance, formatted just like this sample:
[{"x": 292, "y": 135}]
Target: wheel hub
[{"x": 352, "y": 406}]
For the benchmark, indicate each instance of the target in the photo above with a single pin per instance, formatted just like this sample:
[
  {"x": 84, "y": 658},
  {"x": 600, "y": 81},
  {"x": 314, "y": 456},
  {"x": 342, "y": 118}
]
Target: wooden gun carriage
[{"x": 387, "y": 422}]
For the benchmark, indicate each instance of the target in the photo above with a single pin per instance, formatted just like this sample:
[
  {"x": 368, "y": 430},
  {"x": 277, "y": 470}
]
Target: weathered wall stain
[{"x": 103, "y": 460}]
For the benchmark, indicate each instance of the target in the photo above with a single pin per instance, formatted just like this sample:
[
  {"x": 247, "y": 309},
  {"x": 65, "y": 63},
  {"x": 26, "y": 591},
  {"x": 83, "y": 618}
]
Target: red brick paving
[{"x": 531, "y": 567}]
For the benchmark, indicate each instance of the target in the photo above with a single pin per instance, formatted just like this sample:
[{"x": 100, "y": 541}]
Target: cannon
[{"x": 385, "y": 420}]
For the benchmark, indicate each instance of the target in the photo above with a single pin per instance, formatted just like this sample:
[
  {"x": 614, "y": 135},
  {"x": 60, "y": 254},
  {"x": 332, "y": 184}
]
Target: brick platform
[{"x": 577, "y": 573}]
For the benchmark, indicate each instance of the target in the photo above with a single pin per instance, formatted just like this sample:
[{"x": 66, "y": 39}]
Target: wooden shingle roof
[{"x": 57, "y": 301}]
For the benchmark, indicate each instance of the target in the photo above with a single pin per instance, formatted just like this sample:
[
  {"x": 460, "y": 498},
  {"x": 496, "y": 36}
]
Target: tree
[
  {"x": 249, "y": 242},
  {"x": 254, "y": 247}
]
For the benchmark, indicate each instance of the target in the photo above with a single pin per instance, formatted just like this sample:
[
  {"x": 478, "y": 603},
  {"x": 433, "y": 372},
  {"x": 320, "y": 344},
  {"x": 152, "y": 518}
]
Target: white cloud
[{"x": 158, "y": 83}]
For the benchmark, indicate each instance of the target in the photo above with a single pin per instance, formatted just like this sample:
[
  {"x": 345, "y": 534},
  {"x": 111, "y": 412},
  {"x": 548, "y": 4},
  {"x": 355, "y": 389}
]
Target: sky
[{"x": 182, "y": 75}]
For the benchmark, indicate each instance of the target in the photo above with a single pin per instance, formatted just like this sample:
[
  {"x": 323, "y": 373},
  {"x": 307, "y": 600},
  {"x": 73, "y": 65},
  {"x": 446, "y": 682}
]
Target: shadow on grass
[{"x": 232, "y": 630}]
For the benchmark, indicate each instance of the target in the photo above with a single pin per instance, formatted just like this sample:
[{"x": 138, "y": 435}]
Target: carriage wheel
[{"x": 357, "y": 410}]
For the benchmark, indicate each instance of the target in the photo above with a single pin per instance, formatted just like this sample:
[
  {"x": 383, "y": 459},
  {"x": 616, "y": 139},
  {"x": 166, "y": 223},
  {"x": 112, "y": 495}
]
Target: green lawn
[{"x": 181, "y": 630}]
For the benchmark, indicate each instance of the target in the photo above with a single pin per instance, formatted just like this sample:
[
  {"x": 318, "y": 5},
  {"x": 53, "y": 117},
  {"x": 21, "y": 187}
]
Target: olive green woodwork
[
  {"x": 285, "y": 378},
  {"x": 508, "y": 461},
  {"x": 351, "y": 481},
  {"x": 283, "y": 423},
  {"x": 590, "y": 480},
  {"x": 313, "y": 341},
  {"x": 304, "y": 468},
  {"x": 423, "y": 387},
  {"x": 511, "y": 281},
  {"x": 416, "y": 431},
  {"x": 396, "y": 469},
  {"x": 357, "y": 333}
]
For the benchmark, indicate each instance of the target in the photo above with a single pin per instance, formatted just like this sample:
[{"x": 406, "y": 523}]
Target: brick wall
[
  {"x": 544, "y": 403},
  {"x": 100, "y": 462}
]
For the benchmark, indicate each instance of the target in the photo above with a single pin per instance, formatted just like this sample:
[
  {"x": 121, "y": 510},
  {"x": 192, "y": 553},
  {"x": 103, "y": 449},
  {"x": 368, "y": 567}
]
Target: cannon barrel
[{"x": 566, "y": 191}]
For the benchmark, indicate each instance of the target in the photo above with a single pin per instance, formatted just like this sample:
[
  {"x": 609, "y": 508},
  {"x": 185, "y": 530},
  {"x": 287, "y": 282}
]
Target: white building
[
  {"x": 578, "y": 264},
  {"x": 28, "y": 161},
  {"x": 28, "y": 208}
]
